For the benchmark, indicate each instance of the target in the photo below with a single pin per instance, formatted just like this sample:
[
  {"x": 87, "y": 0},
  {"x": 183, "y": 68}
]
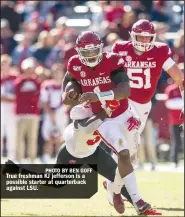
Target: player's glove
[
  {"x": 133, "y": 123},
  {"x": 10, "y": 167},
  {"x": 111, "y": 106}
]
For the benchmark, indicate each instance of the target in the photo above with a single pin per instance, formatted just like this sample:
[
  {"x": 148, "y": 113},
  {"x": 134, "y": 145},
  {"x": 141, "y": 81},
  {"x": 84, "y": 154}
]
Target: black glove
[{"x": 10, "y": 167}]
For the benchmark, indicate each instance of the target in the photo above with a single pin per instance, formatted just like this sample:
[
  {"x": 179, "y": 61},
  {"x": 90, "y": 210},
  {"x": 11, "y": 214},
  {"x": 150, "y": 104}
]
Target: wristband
[{"x": 104, "y": 96}]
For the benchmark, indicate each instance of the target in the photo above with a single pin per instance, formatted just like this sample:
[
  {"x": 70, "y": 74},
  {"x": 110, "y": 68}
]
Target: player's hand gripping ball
[
  {"x": 73, "y": 90},
  {"x": 88, "y": 97}
]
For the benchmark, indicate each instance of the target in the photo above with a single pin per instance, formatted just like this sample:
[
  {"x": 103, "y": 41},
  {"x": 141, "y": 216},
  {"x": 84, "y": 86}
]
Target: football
[{"x": 73, "y": 88}]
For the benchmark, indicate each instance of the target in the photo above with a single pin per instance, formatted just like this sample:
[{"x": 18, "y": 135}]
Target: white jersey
[{"x": 80, "y": 144}]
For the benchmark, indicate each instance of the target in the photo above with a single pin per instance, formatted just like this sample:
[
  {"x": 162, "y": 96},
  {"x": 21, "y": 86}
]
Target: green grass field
[{"x": 165, "y": 191}]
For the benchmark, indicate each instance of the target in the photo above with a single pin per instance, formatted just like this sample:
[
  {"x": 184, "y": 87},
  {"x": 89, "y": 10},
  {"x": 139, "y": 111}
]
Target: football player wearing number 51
[{"x": 144, "y": 59}]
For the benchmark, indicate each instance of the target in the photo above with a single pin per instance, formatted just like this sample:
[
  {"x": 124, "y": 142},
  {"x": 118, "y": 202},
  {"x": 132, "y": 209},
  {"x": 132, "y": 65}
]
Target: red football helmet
[
  {"x": 89, "y": 48},
  {"x": 143, "y": 28}
]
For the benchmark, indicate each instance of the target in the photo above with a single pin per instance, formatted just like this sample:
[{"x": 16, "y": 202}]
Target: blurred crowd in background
[{"x": 37, "y": 39}]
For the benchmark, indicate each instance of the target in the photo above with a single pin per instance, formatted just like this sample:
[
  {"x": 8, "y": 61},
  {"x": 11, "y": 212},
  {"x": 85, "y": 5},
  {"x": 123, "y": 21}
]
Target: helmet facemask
[
  {"x": 91, "y": 55},
  {"x": 143, "y": 46}
]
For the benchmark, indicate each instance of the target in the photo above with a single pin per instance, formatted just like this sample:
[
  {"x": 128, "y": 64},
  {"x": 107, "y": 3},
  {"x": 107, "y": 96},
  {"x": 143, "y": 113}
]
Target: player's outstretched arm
[{"x": 178, "y": 76}]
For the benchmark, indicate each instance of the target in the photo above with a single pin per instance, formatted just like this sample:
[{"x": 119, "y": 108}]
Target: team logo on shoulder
[
  {"x": 128, "y": 58},
  {"x": 82, "y": 74},
  {"x": 121, "y": 61},
  {"x": 123, "y": 53},
  {"x": 77, "y": 68}
]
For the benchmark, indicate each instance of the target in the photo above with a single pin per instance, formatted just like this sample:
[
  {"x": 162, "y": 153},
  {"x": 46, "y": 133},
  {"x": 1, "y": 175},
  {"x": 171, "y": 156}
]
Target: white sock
[
  {"x": 131, "y": 186},
  {"x": 118, "y": 183}
]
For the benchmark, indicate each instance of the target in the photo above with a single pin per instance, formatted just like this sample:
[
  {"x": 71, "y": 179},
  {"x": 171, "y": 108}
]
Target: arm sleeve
[
  {"x": 167, "y": 58},
  {"x": 168, "y": 64},
  {"x": 119, "y": 75}
]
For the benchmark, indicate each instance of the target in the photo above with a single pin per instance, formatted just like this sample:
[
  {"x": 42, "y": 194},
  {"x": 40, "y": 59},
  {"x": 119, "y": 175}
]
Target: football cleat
[
  {"x": 151, "y": 212},
  {"x": 115, "y": 200},
  {"x": 118, "y": 203},
  {"x": 110, "y": 195},
  {"x": 141, "y": 206}
]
